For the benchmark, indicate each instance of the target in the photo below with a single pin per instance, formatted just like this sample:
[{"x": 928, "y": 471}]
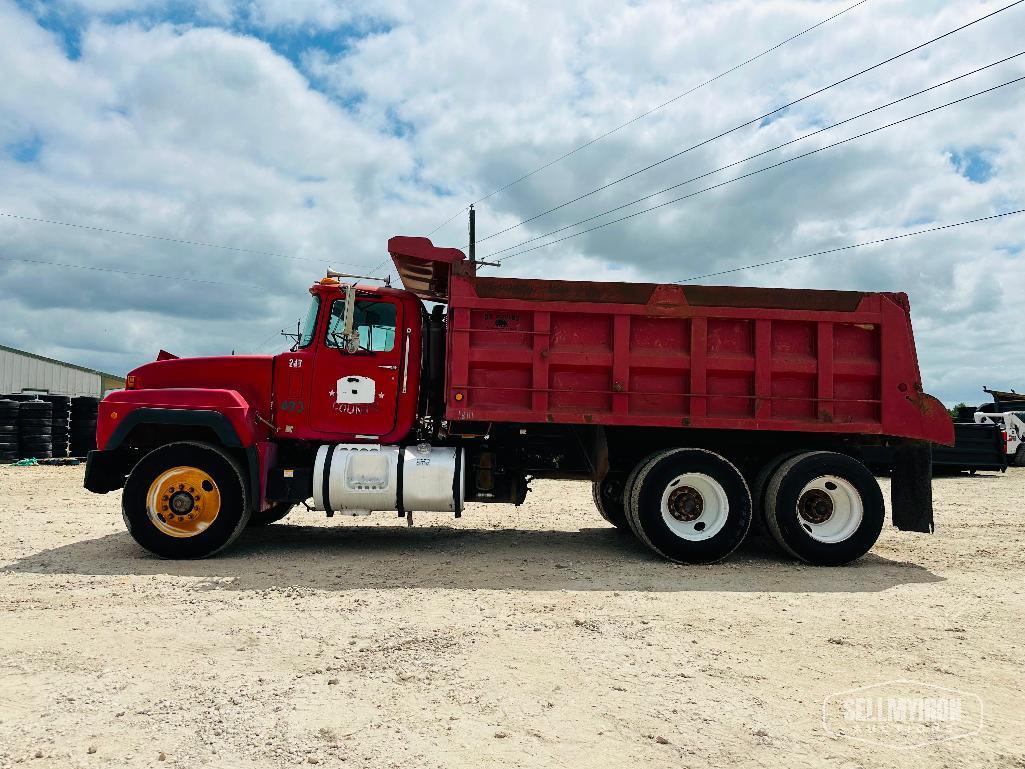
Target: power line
[
  {"x": 756, "y": 155},
  {"x": 633, "y": 120},
  {"x": 169, "y": 240},
  {"x": 766, "y": 168},
  {"x": 97, "y": 268},
  {"x": 457, "y": 213},
  {"x": 851, "y": 246},
  {"x": 266, "y": 342},
  {"x": 749, "y": 122}
]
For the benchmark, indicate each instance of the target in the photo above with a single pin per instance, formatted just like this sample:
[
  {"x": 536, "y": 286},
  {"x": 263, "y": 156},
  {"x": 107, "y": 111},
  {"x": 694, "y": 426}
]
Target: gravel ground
[{"x": 532, "y": 636}]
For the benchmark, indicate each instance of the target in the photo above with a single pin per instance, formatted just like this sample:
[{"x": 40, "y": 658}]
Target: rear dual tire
[
  {"x": 608, "y": 499},
  {"x": 688, "y": 505},
  {"x": 694, "y": 506},
  {"x": 823, "y": 508}
]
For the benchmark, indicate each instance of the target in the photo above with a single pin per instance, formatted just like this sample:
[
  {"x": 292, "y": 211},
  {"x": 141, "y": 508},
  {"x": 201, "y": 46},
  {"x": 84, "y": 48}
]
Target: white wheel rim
[
  {"x": 695, "y": 506},
  {"x": 829, "y": 509}
]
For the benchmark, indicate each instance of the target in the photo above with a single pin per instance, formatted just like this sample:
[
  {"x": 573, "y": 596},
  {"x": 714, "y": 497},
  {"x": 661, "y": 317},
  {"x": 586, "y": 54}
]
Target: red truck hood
[{"x": 249, "y": 375}]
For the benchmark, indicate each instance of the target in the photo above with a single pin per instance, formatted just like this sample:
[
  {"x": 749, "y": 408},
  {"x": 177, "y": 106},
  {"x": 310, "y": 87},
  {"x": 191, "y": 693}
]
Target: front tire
[
  {"x": 824, "y": 508},
  {"x": 186, "y": 500},
  {"x": 689, "y": 505}
]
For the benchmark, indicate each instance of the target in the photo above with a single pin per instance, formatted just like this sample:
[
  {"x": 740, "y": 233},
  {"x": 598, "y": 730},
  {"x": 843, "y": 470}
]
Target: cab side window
[{"x": 374, "y": 320}]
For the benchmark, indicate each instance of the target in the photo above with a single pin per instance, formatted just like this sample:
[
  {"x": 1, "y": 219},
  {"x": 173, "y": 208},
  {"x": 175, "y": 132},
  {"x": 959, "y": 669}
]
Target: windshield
[{"x": 306, "y": 334}]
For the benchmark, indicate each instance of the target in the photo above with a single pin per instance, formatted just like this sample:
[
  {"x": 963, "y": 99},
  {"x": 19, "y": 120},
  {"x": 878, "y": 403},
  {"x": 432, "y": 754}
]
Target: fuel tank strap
[
  {"x": 457, "y": 496},
  {"x": 326, "y": 481},
  {"x": 399, "y": 475}
]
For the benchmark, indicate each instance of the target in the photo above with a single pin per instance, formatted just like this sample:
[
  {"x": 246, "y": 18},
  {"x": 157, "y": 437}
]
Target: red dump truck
[{"x": 692, "y": 410}]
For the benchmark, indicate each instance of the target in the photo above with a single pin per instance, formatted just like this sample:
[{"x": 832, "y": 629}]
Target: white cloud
[{"x": 199, "y": 131}]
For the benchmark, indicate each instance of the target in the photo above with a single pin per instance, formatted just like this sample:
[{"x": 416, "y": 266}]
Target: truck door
[
  {"x": 292, "y": 372},
  {"x": 355, "y": 391}
]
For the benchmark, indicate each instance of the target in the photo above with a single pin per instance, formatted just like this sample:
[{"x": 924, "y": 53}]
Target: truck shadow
[{"x": 342, "y": 558}]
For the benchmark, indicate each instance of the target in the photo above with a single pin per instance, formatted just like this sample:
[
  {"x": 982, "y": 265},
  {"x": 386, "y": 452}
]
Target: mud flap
[
  {"x": 105, "y": 471},
  {"x": 911, "y": 488}
]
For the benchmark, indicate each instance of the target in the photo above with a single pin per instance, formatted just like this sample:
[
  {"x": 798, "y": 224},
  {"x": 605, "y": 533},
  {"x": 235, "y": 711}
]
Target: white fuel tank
[{"x": 356, "y": 478}]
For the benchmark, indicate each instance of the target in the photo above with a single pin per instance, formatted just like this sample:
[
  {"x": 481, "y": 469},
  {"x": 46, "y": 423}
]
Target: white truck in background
[{"x": 1007, "y": 412}]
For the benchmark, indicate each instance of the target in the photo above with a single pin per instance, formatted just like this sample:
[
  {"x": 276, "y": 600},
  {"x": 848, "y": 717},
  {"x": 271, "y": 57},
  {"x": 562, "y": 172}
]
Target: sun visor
[{"x": 424, "y": 268}]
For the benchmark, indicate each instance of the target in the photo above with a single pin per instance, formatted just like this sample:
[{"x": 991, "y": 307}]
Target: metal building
[{"x": 22, "y": 371}]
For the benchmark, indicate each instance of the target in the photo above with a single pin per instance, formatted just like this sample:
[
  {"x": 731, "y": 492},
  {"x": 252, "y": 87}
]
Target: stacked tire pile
[
  {"x": 83, "y": 425},
  {"x": 35, "y": 425},
  {"x": 60, "y": 434},
  {"x": 8, "y": 430}
]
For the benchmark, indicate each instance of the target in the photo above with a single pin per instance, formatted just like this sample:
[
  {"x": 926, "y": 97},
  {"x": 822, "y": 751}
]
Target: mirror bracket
[{"x": 350, "y": 337}]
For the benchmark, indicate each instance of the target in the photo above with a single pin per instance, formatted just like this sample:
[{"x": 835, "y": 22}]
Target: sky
[{"x": 302, "y": 134}]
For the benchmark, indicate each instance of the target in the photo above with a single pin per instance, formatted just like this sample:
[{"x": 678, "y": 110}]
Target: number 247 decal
[{"x": 295, "y": 362}]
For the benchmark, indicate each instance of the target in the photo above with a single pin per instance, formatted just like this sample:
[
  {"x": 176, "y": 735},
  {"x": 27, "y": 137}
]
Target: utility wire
[
  {"x": 851, "y": 246},
  {"x": 457, "y": 213},
  {"x": 169, "y": 240},
  {"x": 766, "y": 168},
  {"x": 633, "y": 120},
  {"x": 749, "y": 122},
  {"x": 96, "y": 268},
  {"x": 756, "y": 155},
  {"x": 267, "y": 341}
]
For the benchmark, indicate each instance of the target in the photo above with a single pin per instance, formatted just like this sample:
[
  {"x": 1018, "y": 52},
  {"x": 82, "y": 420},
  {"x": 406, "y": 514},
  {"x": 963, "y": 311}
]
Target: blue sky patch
[
  {"x": 26, "y": 151},
  {"x": 293, "y": 42},
  {"x": 973, "y": 163},
  {"x": 66, "y": 25},
  {"x": 770, "y": 119},
  {"x": 918, "y": 221}
]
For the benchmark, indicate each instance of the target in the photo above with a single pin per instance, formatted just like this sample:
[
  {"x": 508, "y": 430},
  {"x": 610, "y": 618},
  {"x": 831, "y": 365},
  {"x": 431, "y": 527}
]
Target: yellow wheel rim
[{"x": 183, "y": 501}]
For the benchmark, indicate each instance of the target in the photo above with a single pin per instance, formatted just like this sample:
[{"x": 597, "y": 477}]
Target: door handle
[
  {"x": 405, "y": 360},
  {"x": 390, "y": 368}
]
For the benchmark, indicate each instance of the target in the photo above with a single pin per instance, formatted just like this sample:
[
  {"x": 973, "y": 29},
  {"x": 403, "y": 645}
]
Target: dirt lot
[{"x": 516, "y": 637}]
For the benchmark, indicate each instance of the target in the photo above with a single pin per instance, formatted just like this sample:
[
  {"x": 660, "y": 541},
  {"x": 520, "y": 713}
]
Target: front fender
[{"x": 225, "y": 412}]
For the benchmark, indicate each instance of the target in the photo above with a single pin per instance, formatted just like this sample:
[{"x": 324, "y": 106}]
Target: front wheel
[
  {"x": 185, "y": 500},
  {"x": 824, "y": 508},
  {"x": 688, "y": 505}
]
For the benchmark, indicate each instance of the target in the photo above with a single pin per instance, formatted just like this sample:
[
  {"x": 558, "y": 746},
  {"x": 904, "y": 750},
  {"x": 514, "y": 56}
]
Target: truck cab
[{"x": 354, "y": 373}]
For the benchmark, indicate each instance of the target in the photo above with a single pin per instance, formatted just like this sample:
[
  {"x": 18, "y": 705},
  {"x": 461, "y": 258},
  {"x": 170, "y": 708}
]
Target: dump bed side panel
[{"x": 685, "y": 356}]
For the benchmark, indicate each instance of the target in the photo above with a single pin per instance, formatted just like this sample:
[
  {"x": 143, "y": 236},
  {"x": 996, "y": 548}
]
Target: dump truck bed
[{"x": 665, "y": 355}]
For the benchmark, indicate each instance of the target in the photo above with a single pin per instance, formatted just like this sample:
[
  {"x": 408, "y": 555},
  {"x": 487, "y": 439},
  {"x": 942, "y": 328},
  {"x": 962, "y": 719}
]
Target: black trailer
[{"x": 976, "y": 447}]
